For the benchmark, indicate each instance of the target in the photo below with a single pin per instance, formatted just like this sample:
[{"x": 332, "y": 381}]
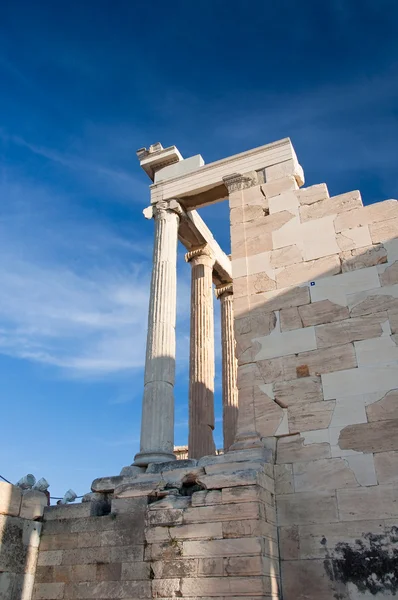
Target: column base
[{"x": 142, "y": 459}]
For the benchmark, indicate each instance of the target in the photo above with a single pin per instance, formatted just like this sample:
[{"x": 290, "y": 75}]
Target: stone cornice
[{"x": 236, "y": 181}]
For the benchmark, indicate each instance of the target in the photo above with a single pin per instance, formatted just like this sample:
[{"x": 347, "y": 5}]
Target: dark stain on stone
[{"x": 371, "y": 563}]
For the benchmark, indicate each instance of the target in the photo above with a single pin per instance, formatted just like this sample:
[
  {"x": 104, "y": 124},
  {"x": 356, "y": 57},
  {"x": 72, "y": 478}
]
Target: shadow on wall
[{"x": 318, "y": 368}]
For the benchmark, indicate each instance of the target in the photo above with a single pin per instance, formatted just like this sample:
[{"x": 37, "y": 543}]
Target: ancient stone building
[{"x": 303, "y": 504}]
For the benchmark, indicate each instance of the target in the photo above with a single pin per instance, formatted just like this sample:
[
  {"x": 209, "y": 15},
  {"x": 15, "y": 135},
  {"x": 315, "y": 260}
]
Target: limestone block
[
  {"x": 167, "y": 569},
  {"x": 227, "y": 586},
  {"x": 309, "y": 580},
  {"x": 368, "y": 215},
  {"x": 393, "y": 318},
  {"x": 351, "y": 239},
  {"x": 165, "y": 517},
  {"x": 349, "y": 410},
  {"x": 321, "y": 312},
  {"x": 305, "y": 364},
  {"x": 268, "y": 414},
  {"x": 50, "y": 558},
  {"x": 244, "y": 493},
  {"x": 307, "y": 507},
  {"x": 235, "y": 478},
  {"x": 308, "y": 271},
  {"x": 135, "y": 571},
  {"x": 112, "y": 589},
  {"x": 386, "y": 464},
  {"x": 364, "y": 380},
  {"x": 340, "y": 288},
  {"x": 258, "y": 322},
  {"x": 141, "y": 487},
  {"x": 10, "y": 499},
  {"x": 312, "y": 194},
  {"x": 33, "y": 505},
  {"x": 253, "y": 284},
  {"x": 313, "y": 415},
  {"x": 290, "y": 319},
  {"x": 227, "y": 468},
  {"x": 386, "y": 408},
  {"x": 106, "y": 484},
  {"x": 292, "y": 449},
  {"x": 222, "y": 548},
  {"x": 284, "y": 483},
  {"x": 278, "y": 299},
  {"x": 285, "y": 201},
  {"x": 363, "y": 467},
  {"x": 86, "y": 556},
  {"x": 322, "y": 540},
  {"x": 256, "y": 236},
  {"x": 289, "y": 543},
  {"x": 179, "y": 476},
  {"x": 74, "y": 511},
  {"x": 318, "y": 238},
  {"x": 362, "y": 258},
  {"x": 206, "y": 498},
  {"x": 350, "y": 330},
  {"x": 252, "y": 528},
  {"x": 48, "y": 591},
  {"x": 382, "y": 351},
  {"x": 306, "y": 389},
  {"x": 283, "y": 257},
  {"x": 224, "y": 512},
  {"x": 390, "y": 275},
  {"x": 384, "y": 298},
  {"x": 134, "y": 507},
  {"x": 384, "y": 231},
  {"x": 245, "y": 565},
  {"x": 170, "y": 502},
  {"x": 124, "y": 554},
  {"x": 285, "y": 169},
  {"x": 183, "y": 532},
  {"x": 372, "y": 503},
  {"x": 261, "y": 455},
  {"x": 331, "y": 206},
  {"x": 279, "y": 186},
  {"x": 286, "y": 343},
  {"x": 131, "y": 470},
  {"x": 378, "y": 436},
  {"x": 323, "y": 475}
]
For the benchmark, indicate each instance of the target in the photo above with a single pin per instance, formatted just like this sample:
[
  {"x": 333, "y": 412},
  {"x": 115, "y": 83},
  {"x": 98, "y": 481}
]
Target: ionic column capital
[
  {"x": 162, "y": 209},
  {"x": 200, "y": 256},
  {"x": 223, "y": 290}
]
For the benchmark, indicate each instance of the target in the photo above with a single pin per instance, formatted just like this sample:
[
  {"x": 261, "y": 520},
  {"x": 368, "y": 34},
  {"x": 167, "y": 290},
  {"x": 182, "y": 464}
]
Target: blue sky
[{"x": 83, "y": 85}]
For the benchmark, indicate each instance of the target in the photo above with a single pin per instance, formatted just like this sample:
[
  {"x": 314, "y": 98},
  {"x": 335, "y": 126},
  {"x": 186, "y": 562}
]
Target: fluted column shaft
[
  {"x": 201, "y": 360},
  {"x": 229, "y": 366},
  {"x": 157, "y": 424}
]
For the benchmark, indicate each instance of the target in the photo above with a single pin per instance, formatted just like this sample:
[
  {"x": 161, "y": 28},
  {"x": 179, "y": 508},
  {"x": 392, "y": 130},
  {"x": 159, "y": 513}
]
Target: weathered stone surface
[
  {"x": 307, "y": 507},
  {"x": 112, "y": 589},
  {"x": 358, "y": 237},
  {"x": 308, "y": 580},
  {"x": 131, "y": 471},
  {"x": 48, "y": 591},
  {"x": 235, "y": 478},
  {"x": 268, "y": 414},
  {"x": 379, "y": 436},
  {"x": 350, "y": 330},
  {"x": 244, "y": 493},
  {"x": 258, "y": 322},
  {"x": 278, "y": 299},
  {"x": 206, "y": 498},
  {"x": 251, "y": 528},
  {"x": 261, "y": 455},
  {"x": 228, "y": 468},
  {"x": 33, "y": 505},
  {"x": 393, "y": 318},
  {"x": 284, "y": 483},
  {"x": 360, "y": 258},
  {"x": 385, "y": 408},
  {"x": 312, "y": 194},
  {"x": 306, "y": 389},
  {"x": 283, "y": 257},
  {"x": 384, "y": 231},
  {"x": 284, "y": 344},
  {"x": 225, "y": 586},
  {"x": 322, "y": 312},
  {"x": 374, "y": 213},
  {"x": 223, "y": 548},
  {"x": 290, "y": 319},
  {"x": 256, "y": 236},
  {"x": 375, "y": 303},
  {"x": 106, "y": 484},
  {"x": 375, "y": 502},
  {"x": 10, "y": 499},
  {"x": 308, "y": 271},
  {"x": 331, "y": 206},
  {"x": 285, "y": 169},
  {"x": 279, "y": 186},
  {"x": 167, "y": 569},
  {"x": 224, "y": 512},
  {"x": 324, "y": 360},
  {"x": 323, "y": 475},
  {"x": 386, "y": 464},
  {"x": 75, "y": 511},
  {"x": 390, "y": 275},
  {"x": 52, "y": 557},
  {"x": 291, "y": 449},
  {"x": 171, "y": 465},
  {"x": 313, "y": 415},
  {"x": 170, "y": 502},
  {"x": 322, "y": 540},
  {"x": 253, "y": 284},
  {"x": 184, "y": 532}
]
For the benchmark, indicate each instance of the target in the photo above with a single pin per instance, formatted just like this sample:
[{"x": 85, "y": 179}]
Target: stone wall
[
  {"x": 192, "y": 529},
  {"x": 19, "y": 540},
  {"x": 316, "y": 317}
]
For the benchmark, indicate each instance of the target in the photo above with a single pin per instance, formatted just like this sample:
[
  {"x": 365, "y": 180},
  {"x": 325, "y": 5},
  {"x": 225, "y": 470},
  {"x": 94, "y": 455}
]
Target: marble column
[
  {"x": 229, "y": 365},
  {"x": 201, "y": 360},
  {"x": 157, "y": 424}
]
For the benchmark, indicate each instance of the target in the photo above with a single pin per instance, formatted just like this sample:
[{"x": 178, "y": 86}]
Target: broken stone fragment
[
  {"x": 171, "y": 465},
  {"x": 106, "y": 484},
  {"x": 131, "y": 471}
]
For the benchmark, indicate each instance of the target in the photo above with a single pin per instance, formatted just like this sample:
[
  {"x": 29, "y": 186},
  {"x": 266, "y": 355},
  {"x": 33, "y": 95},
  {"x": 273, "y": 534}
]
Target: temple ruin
[{"x": 303, "y": 503}]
